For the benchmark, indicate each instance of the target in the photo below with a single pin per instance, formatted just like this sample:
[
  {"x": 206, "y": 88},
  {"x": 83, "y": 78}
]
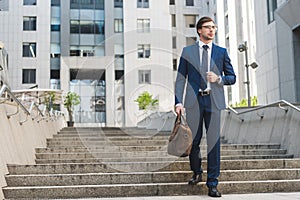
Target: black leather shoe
[
  {"x": 213, "y": 192},
  {"x": 196, "y": 178}
]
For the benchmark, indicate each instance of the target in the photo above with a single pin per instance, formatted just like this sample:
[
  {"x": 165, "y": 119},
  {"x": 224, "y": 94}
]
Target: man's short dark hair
[{"x": 201, "y": 21}]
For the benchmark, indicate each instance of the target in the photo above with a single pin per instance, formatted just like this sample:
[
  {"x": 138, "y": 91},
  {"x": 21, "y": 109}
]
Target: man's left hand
[{"x": 212, "y": 77}]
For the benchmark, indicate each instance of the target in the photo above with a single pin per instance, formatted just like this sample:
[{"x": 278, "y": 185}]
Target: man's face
[{"x": 207, "y": 32}]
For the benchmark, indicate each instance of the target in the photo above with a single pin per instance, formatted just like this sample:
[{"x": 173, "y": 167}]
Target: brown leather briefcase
[{"x": 181, "y": 138}]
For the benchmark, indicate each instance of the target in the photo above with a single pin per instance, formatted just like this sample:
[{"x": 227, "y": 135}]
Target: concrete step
[
  {"x": 107, "y": 143},
  {"x": 161, "y": 153},
  {"x": 155, "y": 159},
  {"x": 151, "y": 148},
  {"x": 101, "y": 137},
  {"x": 145, "y": 177},
  {"x": 149, "y": 189},
  {"x": 76, "y": 168},
  {"x": 117, "y": 131}
]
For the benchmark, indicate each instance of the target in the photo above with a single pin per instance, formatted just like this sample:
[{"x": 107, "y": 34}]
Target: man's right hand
[{"x": 179, "y": 109}]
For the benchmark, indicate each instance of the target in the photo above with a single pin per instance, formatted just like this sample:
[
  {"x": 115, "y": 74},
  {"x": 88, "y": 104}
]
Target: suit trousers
[{"x": 205, "y": 112}]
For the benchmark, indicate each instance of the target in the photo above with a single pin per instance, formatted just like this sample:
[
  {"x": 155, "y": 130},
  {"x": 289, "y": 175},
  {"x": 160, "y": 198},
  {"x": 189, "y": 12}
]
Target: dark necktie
[{"x": 204, "y": 66}]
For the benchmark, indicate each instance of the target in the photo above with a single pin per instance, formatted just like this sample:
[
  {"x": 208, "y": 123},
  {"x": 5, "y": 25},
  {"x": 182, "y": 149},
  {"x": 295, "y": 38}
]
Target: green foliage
[
  {"x": 49, "y": 100},
  {"x": 244, "y": 102},
  {"x": 70, "y": 100},
  {"x": 146, "y": 101}
]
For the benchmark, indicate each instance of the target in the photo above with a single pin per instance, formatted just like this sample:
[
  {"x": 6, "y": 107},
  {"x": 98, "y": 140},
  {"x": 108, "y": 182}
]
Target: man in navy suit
[{"x": 203, "y": 70}]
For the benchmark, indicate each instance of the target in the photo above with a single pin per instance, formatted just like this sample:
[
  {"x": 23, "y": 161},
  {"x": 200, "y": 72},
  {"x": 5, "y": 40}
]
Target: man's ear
[{"x": 199, "y": 31}]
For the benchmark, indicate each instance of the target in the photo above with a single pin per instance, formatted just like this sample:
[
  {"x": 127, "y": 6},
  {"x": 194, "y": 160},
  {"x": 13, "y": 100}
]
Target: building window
[
  {"x": 172, "y": 2},
  {"x": 190, "y": 21},
  {"x": 28, "y": 76},
  {"x": 29, "y": 23},
  {"x": 174, "y": 42},
  {"x": 143, "y": 3},
  {"x": 175, "y": 64},
  {"x": 118, "y": 25},
  {"x": 29, "y": 49},
  {"x": 118, "y": 4},
  {"x": 189, "y": 2},
  {"x": 55, "y": 27},
  {"x": 143, "y": 50},
  {"x": 173, "y": 20},
  {"x": 87, "y": 4},
  {"x": 82, "y": 53},
  {"x": 87, "y": 27},
  {"x": 54, "y": 74},
  {"x": 55, "y": 2},
  {"x": 119, "y": 62},
  {"x": 54, "y": 55},
  {"x": 29, "y": 2},
  {"x": 143, "y": 25},
  {"x": 272, "y": 5},
  {"x": 119, "y": 75},
  {"x": 144, "y": 77}
]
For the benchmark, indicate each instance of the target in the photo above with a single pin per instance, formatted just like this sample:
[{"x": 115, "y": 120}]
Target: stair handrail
[
  {"x": 39, "y": 112},
  {"x": 279, "y": 103},
  {"x": 5, "y": 89}
]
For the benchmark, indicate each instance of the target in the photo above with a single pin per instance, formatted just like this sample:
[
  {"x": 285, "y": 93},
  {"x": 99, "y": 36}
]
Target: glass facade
[
  {"x": 90, "y": 85},
  {"x": 87, "y": 4},
  {"x": 87, "y": 33},
  {"x": 87, "y": 27}
]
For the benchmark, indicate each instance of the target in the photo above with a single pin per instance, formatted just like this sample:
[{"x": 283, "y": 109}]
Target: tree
[
  {"x": 49, "y": 100},
  {"x": 146, "y": 101},
  {"x": 70, "y": 100},
  {"x": 244, "y": 102}
]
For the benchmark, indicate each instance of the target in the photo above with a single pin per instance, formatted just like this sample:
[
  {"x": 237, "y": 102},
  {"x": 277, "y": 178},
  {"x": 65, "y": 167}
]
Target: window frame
[
  {"x": 189, "y": 3},
  {"x": 118, "y": 25},
  {"x": 145, "y": 25},
  {"x": 30, "y": 23},
  {"x": 118, "y": 3},
  {"x": 142, "y": 51},
  {"x": 28, "y": 53},
  {"x": 143, "y": 4},
  {"x": 28, "y": 76},
  {"x": 29, "y": 2},
  {"x": 271, "y": 7},
  {"x": 144, "y": 76}
]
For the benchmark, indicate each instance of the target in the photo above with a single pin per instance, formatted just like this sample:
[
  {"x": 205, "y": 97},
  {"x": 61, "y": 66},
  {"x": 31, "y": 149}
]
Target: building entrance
[{"x": 90, "y": 85}]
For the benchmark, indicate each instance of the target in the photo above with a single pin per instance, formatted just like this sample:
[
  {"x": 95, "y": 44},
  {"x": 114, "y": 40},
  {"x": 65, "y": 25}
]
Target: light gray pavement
[{"x": 261, "y": 196}]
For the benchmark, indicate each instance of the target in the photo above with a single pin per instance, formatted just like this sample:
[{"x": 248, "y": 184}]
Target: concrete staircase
[{"x": 111, "y": 162}]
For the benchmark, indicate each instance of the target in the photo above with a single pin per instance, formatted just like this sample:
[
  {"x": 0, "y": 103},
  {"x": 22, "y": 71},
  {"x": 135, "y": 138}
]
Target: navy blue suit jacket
[{"x": 189, "y": 76}]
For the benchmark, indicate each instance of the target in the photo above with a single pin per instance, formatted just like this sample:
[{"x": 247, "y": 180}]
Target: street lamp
[{"x": 243, "y": 48}]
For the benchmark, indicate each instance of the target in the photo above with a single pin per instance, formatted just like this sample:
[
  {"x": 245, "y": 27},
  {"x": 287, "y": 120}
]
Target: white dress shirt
[{"x": 200, "y": 43}]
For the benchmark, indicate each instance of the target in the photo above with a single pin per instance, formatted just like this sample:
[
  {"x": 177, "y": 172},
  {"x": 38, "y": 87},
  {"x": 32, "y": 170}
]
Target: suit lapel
[
  {"x": 214, "y": 55},
  {"x": 196, "y": 56}
]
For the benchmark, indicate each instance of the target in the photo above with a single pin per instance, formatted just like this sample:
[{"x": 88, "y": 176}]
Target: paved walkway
[{"x": 264, "y": 196}]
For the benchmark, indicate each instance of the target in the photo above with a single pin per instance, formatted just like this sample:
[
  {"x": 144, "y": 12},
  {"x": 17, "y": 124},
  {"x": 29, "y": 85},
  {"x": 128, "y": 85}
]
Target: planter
[{"x": 70, "y": 123}]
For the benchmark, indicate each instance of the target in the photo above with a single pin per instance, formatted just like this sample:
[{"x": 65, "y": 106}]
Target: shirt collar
[{"x": 200, "y": 43}]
